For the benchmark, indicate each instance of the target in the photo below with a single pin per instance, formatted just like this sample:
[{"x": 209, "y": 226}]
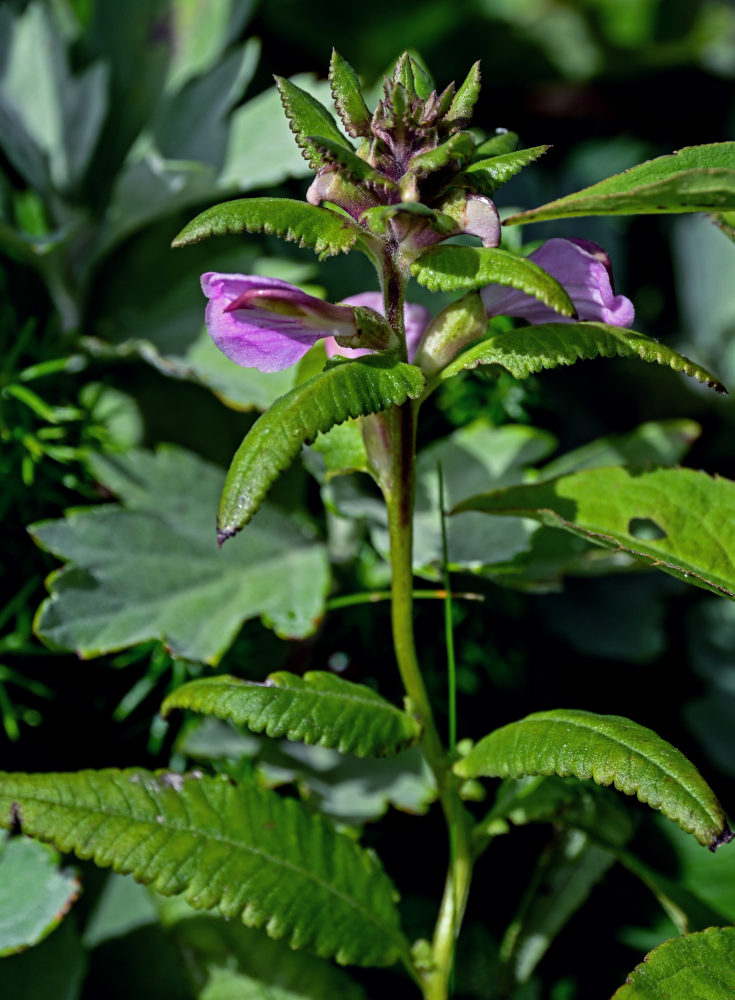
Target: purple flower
[
  {"x": 583, "y": 269},
  {"x": 266, "y": 323},
  {"x": 416, "y": 319}
]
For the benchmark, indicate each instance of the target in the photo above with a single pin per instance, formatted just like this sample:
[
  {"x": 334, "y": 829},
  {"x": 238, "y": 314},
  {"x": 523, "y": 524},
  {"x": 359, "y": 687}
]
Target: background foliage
[{"x": 115, "y": 128}]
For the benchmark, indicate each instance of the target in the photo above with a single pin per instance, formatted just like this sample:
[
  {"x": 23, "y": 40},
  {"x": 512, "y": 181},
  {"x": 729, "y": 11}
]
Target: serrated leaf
[
  {"x": 487, "y": 175},
  {"x": 350, "y": 163},
  {"x": 34, "y": 893},
  {"x": 307, "y": 116},
  {"x": 377, "y": 218},
  {"x": 610, "y": 750},
  {"x": 696, "y": 967},
  {"x": 316, "y": 708},
  {"x": 460, "y": 110},
  {"x": 530, "y": 349},
  {"x": 323, "y": 231},
  {"x": 150, "y": 568},
  {"x": 451, "y": 268},
  {"x": 677, "y": 520},
  {"x": 457, "y": 149},
  {"x": 502, "y": 142},
  {"x": 694, "y": 179},
  {"x": 422, "y": 79},
  {"x": 243, "y": 849},
  {"x": 347, "y": 95},
  {"x": 346, "y": 389}
]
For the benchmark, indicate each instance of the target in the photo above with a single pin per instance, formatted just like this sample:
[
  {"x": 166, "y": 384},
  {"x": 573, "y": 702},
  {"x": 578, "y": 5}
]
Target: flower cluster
[{"x": 408, "y": 185}]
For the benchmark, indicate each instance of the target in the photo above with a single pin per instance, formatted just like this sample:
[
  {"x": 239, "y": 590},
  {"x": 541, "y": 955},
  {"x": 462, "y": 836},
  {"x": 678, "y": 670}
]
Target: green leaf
[
  {"x": 678, "y": 520},
  {"x": 502, "y": 142},
  {"x": 345, "y": 389},
  {"x": 462, "y": 106},
  {"x": 308, "y": 116},
  {"x": 54, "y": 968},
  {"x": 316, "y": 708},
  {"x": 323, "y": 231},
  {"x": 342, "y": 450},
  {"x": 150, "y": 568},
  {"x": 694, "y": 179},
  {"x": 422, "y": 79},
  {"x": 451, "y": 268},
  {"x": 530, "y": 349},
  {"x": 350, "y": 163},
  {"x": 348, "y": 99},
  {"x": 34, "y": 893},
  {"x": 726, "y": 222},
  {"x": 377, "y": 218},
  {"x": 610, "y": 750},
  {"x": 487, "y": 175},
  {"x": 695, "y": 967},
  {"x": 243, "y": 849},
  {"x": 457, "y": 149}
]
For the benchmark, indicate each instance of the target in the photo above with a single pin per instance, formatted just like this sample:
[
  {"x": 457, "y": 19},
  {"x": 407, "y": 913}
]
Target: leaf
[
  {"x": 345, "y": 389},
  {"x": 678, "y": 520},
  {"x": 347, "y": 95},
  {"x": 342, "y": 450},
  {"x": 308, "y": 116},
  {"x": 450, "y": 268},
  {"x": 377, "y": 218},
  {"x": 460, "y": 110},
  {"x": 456, "y": 150},
  {"x": 694, "y": 179},
  {"x": 610, "y": 750},
  {"x": 34, "y": 893},
  {"x": 243, "y": 849},
  {"x": 529, "y": 349},
  {"x": 55, "y": 968},
  {"x": 323, "y": 231},
  {"x": 350, "y": 163},
  {"x": 502, "y": 142},
  {"x": 695, "y": 967},
  {"x": 316, "y": 708},
  {"x": 150, "y": 568},
  {"x": 487, "y": 175}
]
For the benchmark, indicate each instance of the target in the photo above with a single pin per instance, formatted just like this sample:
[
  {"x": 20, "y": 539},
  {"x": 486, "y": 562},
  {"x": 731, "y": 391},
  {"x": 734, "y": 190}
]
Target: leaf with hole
[
  {"x": 345, "y": 389},
  {"x": 242, "y": 849},
  {"x": 677, "y": 520},
  {"x": 316, "y": 708},
  {"x": 694, "y": 179},
  {"x": 610, "y": 750}
]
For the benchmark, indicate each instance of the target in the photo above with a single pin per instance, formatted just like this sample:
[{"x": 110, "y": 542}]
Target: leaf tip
[
  {"x": 722, "y": 838},
  {"x": 223, "y": 534}
]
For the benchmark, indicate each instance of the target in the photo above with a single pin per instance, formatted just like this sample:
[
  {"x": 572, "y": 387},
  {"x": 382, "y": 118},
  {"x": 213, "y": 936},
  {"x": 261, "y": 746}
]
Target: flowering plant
[{"x": 411, "y": 196}]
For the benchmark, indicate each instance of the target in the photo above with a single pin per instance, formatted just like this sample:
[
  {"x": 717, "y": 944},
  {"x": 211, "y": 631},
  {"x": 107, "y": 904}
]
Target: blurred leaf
[
  {"x": 317, "y": 708},
  {"x": 249, "y": 852},
  {"x": 34, "y": 893},
  {"x": 610, "y": 750},
  {"x": 342, "y": 449},
  {"x": 698, "y": 965},
  {"x": 150, "y": 568},
  {"x": 123, "y": 906},
  {"x": 451, "y": 268},
  {"x": 201, "y": 30},
  {"x": 694, "y": 179},
  {"x": 646, "y": 512},
  {"x": 345, "y": 389},
  {"x": 54, "y": 968}
]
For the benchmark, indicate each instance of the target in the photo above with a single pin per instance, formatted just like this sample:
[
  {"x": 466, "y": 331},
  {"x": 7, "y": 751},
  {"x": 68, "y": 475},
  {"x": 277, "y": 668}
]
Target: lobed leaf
[
  {"x": 487, "y": 175},
  {"x": 322, "y": 230},
  {"x": 242, "y": 849},
  {"x": 307, "y": 116},
  {"x": 316, "y": 708},
  {"x": 460, "y": 110},
  {"x": 345, "y": 389},
  {"x": 610, "y": 750},
  {"x": 677, "y": 520},
  {"x": 696, "y": 967},
  {"x": 694, "y": 179},
  {"x": 530, "y": 349},
  {"x": 347, "y": 95},
  {"x": 451, "y": 268}
]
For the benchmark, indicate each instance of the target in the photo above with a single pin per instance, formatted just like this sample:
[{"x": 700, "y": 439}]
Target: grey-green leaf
[
  {"x": 451, "y": 268},
  {"x": 678, "y": 520},
  {"x": 345, "y": 389},
  {"x": 150, "y": 568},
  {"x": 34, "y": 893},
  {"x": 325, "y": 232},
  {"x": 242, "y": 849},
  {"x": 348, "y": 99},
  {"x": 530, "y": 349},
  {"x": 316, "y": 708},
  {"x": 694, "y": 179},
  {"x": 307, "y": 116},
  {"x": 695, "y": 967},
  {"x": 610, "y": 750}
]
